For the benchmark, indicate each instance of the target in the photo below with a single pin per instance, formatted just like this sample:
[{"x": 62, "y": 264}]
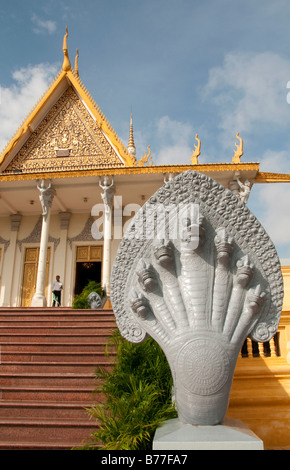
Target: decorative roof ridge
[{"x": 134, "y": 170}]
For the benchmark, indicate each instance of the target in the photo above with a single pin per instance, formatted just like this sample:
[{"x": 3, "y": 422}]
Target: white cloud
[
  {"x": 176, "y": 141},
  {"x": 277, "y": 162},
  {"x": 43, "y": 26},
  {"x": 274, "y": 215},
  {"x": 170, "y": 141},
  {"x": 270, "y": 201},
  {"x": 250, "y": 91},
  {"x": 174, "y": 131},
  {"x": 17, "y": 100}
]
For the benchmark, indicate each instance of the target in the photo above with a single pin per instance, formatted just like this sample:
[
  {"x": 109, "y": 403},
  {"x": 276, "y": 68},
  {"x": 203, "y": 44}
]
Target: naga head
[
  {"x": 245, "y": 271},
  {"x": 140, "y": 305},
  {"x": 224, "y": 245},
  {"x": 147, "y": 277},
  {"x": 164, "y": 254}
]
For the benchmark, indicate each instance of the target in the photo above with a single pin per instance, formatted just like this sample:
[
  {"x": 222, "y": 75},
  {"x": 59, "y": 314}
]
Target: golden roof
[{"x": 42, "y": 139}]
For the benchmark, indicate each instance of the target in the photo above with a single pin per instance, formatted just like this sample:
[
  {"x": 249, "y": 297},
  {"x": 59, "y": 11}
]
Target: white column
[
  {"x": 46, "y": 197},
  {"x": 11, "y": 252},
  {"x": 107, "y": 197},
  {"x": 60, "y": 267}
]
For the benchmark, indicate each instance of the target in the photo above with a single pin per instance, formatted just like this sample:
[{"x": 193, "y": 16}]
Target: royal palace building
[{"x": 68, "y": 189}]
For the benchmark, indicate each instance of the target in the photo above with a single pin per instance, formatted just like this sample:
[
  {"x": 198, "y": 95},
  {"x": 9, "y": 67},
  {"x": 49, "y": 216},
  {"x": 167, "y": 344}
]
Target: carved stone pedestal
[{"x": 231, "y": 435}]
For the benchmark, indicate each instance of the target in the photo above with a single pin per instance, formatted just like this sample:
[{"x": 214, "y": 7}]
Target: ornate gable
[
  {"x": 68, "y": 138},
  {"x": 66, "y": 131}
]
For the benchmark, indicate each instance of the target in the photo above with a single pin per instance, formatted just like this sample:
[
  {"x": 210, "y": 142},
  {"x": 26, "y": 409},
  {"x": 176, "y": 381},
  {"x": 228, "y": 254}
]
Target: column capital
[
  {"x": 64, "y": 220},
  {"x": 15, "y": 220},
  {"x": 47, "y": 193},
  {"x": 109, "y": 190}
]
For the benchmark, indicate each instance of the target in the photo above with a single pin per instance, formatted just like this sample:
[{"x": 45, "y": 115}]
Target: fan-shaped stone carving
[{"x": 197, "y": 272}]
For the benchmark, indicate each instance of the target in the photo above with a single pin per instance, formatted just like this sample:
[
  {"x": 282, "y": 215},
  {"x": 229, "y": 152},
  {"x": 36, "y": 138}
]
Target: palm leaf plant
[{"x": 137, "y": 396}]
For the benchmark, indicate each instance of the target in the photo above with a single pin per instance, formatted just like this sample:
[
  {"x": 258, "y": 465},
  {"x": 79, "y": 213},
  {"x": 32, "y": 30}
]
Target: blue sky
[{"x": 183, "y": 67}]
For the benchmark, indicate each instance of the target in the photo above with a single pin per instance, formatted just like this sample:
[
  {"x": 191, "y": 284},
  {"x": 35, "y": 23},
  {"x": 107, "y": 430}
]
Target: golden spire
[
  {"x": 131, "y": 146},
  {"x": 77, "y": 64},
  {"x": 66, "y": 66}
]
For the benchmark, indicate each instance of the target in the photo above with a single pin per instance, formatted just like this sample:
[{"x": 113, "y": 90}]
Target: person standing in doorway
[{"x": 57, "y": 287}]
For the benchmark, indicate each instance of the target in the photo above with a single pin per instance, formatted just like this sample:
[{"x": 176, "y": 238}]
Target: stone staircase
[{"x": 47, "y": 360}]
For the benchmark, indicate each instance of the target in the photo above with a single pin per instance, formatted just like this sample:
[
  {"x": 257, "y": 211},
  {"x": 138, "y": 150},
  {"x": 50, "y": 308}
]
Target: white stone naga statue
[{"x": 199, "y": 282}]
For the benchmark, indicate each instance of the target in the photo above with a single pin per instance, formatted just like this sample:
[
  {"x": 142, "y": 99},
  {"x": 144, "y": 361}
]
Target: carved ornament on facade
[
  {"x": 4, "y": 242},
  {"x": 239, "y": 151},
  {"x": 241, "y": 189},
  {"x": 85, "y": 235},
  {"x": 108, "y": 191},
  {"x": 146, "y": 159},
  {"x": 196, "y": 151},
  {"x": 34, "y": 237},
  {"x": 67, "y": 129},
  {"x": 46, "y": 196}
]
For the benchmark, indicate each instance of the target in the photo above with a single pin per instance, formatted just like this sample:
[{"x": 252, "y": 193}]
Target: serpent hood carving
[{"x": 197, "y": 272}]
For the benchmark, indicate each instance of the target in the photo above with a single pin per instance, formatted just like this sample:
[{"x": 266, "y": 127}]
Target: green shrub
[
  {"x": 80, "y": 301},
  {"x": 137, "y": 394}
]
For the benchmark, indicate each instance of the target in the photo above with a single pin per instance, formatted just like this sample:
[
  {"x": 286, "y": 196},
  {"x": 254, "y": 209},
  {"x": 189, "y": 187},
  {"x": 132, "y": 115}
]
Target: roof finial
[
  {"x": 239, "y": 150},
  {"x": 66, "y": 66},
  {"x": 77, "y": 64},
  {"x": 131, "y": 146},
  {"x": 196, "y": 151}
]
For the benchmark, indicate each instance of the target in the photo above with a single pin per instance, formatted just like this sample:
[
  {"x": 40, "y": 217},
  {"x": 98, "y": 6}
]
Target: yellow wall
[
  {"x": 286, "y": 278},
  {"x": 260, "y": 395}
]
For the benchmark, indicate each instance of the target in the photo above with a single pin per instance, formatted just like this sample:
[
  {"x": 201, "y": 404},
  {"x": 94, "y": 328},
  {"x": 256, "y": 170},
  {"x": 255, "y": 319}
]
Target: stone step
[
  {"x": 59, "y": 367},
  {"x": 48, "y": 430},
  {"x": 39, "y": 333},
  {"x": 47, "y": 375},
  {"x": 37, "y": 356},
  {"x": 53, "y": 310},
  {"x": 73, "y": 314},
  {"x": 49, "y": 347},
  {"x": 60, "y": 327},
  {"x": 46, "y": 379},
  {"x": 40, "y": 409},
  {"x": 52, "y": 393},
  {"x": 56, "y": 315},
  {"x": 23, "y": 445}
]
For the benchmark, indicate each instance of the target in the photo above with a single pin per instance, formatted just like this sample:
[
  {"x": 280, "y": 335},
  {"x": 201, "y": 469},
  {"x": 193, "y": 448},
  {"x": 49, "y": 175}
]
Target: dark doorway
[{"x": 85, "y": 272}]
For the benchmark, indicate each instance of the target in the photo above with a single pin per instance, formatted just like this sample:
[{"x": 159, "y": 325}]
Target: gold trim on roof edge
[
  {"x": 134, "y": 170},
  {"x": 264, "y": 177}
]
